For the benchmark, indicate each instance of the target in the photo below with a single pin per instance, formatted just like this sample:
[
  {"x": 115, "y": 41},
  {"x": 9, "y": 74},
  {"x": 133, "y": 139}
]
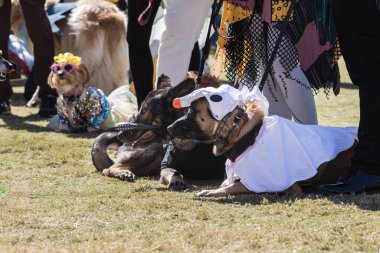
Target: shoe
[
  {"x": 5, "y": 107},
  {"x": 354, "y": 181},
  {"x": 48, "y": 106}
]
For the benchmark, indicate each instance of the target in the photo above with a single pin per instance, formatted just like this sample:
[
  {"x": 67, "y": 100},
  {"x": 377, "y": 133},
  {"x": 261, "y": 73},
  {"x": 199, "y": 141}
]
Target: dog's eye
[
  {"x": 55, "y": 69},
  {"x": 68, "y": 67}
]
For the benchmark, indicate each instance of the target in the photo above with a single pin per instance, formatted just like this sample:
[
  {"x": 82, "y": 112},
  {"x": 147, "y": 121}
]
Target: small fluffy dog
[
  {"x": 265, "y": 154},
  {"x": 83, "y": 107},
  {"x": 5, "y": 67}
]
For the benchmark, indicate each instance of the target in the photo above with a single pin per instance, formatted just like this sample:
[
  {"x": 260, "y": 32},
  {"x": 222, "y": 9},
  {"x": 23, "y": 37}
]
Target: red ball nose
[{"x": 177, "y": 103}]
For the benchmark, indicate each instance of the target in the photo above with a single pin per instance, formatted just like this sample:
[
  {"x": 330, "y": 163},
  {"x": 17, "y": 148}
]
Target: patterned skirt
[{"x": 250, "y": 29}]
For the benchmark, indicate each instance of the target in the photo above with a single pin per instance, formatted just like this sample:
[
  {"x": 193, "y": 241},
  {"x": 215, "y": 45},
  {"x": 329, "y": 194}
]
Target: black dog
[{"x": 147, "y": 149}]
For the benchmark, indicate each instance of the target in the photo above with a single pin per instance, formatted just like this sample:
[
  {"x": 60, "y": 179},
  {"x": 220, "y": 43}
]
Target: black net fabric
[{"x": 252, "y": 43}]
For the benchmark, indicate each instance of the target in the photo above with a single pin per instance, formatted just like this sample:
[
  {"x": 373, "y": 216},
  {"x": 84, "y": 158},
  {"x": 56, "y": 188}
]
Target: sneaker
[
  {"x": 5, "y": 107},
  {"x": 354, "y": 181},
  {"x": 48, "y": 106}
]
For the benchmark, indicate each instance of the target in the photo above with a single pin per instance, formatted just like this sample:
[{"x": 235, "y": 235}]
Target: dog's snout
[
  {"x": 61, "y": 75},
  {"x": 179, "y": 128}
]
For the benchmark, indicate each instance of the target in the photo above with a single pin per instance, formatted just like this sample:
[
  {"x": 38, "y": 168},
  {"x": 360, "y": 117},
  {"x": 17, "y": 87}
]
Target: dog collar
[
  {"x": 70, "y": 98},
  {"x": 221, "y": 142},
  {"x": 245, "y": 142}
]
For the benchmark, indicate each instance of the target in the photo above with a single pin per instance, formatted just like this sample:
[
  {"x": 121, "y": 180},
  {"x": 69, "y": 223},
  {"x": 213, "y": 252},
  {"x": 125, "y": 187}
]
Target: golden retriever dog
[
  {"x": 96, "y": 31},
  {"x": 84, "y": 107},
  {"x": 265, "y": 154}
]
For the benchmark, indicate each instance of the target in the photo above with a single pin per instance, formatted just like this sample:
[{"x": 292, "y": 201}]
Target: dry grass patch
[{"x": 52, "y": 200}]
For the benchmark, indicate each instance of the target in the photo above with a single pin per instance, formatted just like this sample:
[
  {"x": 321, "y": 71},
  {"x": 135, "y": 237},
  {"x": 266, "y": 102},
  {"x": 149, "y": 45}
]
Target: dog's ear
[
  {"x": 163, "y": 81},
  {"x": 50, "y": 81},
  {"x": 208, "y": 80},
  {"x": 183, "y": 88},
  {"x": 85, "y": 74}
]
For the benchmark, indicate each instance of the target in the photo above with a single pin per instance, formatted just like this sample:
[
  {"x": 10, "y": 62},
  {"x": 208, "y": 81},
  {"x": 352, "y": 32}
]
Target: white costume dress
[{"x": 284, "y": 151}]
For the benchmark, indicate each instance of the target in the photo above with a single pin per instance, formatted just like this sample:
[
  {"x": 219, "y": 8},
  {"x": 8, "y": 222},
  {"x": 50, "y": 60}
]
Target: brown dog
[
  {"x": 96, "y": 31},
  {"x": 234, "y": 136},
  {"x": 144, "y": 147}
]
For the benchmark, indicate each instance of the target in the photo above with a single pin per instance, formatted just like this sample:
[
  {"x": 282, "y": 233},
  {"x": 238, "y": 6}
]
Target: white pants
[
  {"x": 184, "y": 21},
  {"x": 290, "y": 95}
]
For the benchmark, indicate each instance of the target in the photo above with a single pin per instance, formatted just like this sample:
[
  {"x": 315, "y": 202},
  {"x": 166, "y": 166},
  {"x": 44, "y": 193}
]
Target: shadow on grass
[
  {"x": 362, "y": 201},
  {"x": 349, "y": 86},
  {"x": 15, "y": 122},
  {"x": 367, "y": 202}
]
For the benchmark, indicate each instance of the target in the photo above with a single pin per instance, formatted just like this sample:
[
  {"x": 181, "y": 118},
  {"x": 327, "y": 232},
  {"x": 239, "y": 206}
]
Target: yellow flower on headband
[{"x": 67, "y": 58}]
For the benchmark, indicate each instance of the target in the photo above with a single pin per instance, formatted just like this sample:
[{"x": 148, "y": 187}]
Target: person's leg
[
  {"x": 360, "y": 40},
  {"x": 276, "y": 100},
  {"x": 5, "y": 88},
  {"x": 140, "y": 58},
  {"x": 367, "y": 153},
  {"x": 195, "y": 59},
  {"x": 184, "y": 21},
  {"x": 271, "y": 90},
  {"x": 39, "y": 30},
  {"x": 358, "y": 27},
  {"x": 291, "y": 80}
]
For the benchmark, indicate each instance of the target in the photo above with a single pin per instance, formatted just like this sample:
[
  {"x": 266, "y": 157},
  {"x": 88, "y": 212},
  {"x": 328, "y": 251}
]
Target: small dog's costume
[
  {"x": 284, "y": 152},
  {"x": 93, "y": 109}
]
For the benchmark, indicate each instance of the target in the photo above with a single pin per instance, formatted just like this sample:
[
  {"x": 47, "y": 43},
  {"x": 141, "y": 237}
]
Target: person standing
[
  {"x": 184, "y": 21},
  {"x": 306, "y": 59},
  {"x": 140, "y": 57},
  {"x": 179, "y": 50},
  {"x": 40, "y": 33},
  {"x": 358, "y": 27}
]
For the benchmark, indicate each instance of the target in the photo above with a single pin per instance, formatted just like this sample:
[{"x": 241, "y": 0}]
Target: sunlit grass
[{"x": 52, "y": 200}]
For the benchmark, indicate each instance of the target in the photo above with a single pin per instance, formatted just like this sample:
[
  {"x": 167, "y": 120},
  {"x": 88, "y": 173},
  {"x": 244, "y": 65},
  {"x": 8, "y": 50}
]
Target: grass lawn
[{"x": 52, "y": 200}]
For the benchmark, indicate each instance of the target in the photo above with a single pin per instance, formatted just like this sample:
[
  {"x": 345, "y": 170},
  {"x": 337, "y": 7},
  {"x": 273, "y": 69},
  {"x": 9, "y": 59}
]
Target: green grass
[
  {"x": 2, "y": 190},
  {"x": 52, "y": 200}
]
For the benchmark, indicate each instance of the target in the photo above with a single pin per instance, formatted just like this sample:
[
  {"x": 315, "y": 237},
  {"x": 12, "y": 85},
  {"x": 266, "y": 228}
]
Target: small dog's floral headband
[{"x": 67, "y": 58}]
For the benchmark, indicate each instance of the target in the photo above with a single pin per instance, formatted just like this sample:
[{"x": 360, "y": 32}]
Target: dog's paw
[
  {"x": 177, "y": 186},
  {"x": 106, "y": 172},
  {"x": 212, "y": 193},
  {"x": 127, "y": 176}
]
